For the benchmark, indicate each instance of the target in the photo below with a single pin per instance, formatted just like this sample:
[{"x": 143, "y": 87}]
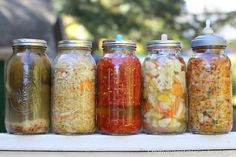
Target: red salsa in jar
[{"x": 119, "y": 88}]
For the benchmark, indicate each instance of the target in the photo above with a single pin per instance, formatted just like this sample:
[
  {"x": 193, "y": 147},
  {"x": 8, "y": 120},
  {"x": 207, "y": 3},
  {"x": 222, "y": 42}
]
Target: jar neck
[
  {"x": 164, "y": 51},
  {"x": 119, "y": 49},
  {"x": 210, "y": 49},
  {"x": 76, "y": 50},
  {"x": 32, "y": 49}
]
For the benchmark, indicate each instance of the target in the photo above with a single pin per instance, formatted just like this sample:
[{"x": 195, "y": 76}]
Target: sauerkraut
[{"x": 73, "y": 93}]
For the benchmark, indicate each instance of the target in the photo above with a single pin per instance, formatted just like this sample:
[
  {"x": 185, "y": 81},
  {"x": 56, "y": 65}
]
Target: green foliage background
[
  {"x": 140, "y": 20},
  {"x": 143, "y": 20}
]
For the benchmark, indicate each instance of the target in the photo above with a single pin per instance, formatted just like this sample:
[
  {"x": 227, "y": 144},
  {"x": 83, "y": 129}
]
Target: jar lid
[
  {"x": 29, "y": 42},
  {"x": 164, "y": 42},
  {"x": 208, "y": 38},
  {"x": 75, "y": 43},
  {"x": 119, "y": 42}
]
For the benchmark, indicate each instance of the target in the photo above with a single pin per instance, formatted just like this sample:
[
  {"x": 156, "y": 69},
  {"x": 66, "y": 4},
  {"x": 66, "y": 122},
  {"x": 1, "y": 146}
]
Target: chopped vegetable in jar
[
  {"x": 164, "y": 94},
  {"x": 210, "y": 94},
  {"x": 209, "y": 85},
  {"x": 73, "y": 92}
]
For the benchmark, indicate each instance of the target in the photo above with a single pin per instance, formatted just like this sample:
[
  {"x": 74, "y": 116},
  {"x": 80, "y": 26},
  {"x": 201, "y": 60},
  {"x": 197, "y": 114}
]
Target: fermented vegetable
[
  {"x": 164, "y": 91},
  {"x": 73, "y": 90},
  {"x": 210, "y": 94},
  {"x": 164, "y": 95},
  {"x": 28, "y": 88},
  {"x": 119, "y": 89},
  {"x": 209, "y": 85}
]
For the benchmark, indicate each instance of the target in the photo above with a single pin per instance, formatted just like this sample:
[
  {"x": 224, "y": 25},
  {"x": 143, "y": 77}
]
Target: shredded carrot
[
  {"x": 168, "y": 113},
  {"x": 177, "y": 89},
  {"x": 154, "y": 62},
  {"x": 158, "y": 108},
  {"x": 148, "y": 106},
  {"x": 60, "y": 70},
  {"x": 62, "y": 117},
  {"x": 86, "y": 85}
]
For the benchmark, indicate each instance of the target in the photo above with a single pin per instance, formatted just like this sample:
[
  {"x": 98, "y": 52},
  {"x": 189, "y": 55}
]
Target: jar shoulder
[
  {"x": 119, "y": 60},
  {"x": 73, "y": 58},
  {"x": 209, "y": 58},
  {"x": 164, "y": 59},
  {"x": 28, "y": 58}
]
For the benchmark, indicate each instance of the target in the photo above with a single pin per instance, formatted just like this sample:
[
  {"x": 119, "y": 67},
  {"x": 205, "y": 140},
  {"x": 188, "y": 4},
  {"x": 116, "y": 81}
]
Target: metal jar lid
[
  {"x": 29, "y": 42},
  {"x": 75, "y": 43},
  {"x": 163, "y": 43},
  {"x": 208, "y": 38},
  {"x": 119, "y": 42}
]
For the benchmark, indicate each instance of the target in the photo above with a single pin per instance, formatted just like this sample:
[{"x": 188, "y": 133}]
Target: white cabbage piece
[
  {"x": 164, "y": 122},
  {"x": 162, "y": 75}
]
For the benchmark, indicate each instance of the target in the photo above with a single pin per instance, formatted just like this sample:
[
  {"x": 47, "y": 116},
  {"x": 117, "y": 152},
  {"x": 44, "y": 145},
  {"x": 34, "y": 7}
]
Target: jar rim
[
  {"x": 209, "y": 47},
  {"x": 128, "y": 43},
  {"x": 75, "y": 44},
  {"x": 29, "y": 42},
  {"x": 163, "y": 44}
]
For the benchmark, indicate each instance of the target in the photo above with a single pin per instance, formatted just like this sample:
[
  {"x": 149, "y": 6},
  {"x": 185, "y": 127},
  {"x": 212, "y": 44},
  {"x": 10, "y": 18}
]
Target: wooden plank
[
  {"x": 120, "y": 154},
  {"x": 100, "y": 143}
]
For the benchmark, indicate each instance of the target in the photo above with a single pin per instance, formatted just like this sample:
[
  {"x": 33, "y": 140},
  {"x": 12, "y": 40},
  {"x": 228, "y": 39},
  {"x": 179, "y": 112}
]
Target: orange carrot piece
[
  {"x": 60, "y": 70},
  {"x": 154, "y": 62},
  {"x": 86, "y": 85},
  {"x": 168, "y": 113},
  {"x": 158, "y": 108},
  {"x": 147, "y": 106},
  {"x": 177, "y": 89}
]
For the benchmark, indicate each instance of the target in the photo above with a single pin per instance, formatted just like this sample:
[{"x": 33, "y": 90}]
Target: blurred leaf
[{"x": 140, "y": 20}]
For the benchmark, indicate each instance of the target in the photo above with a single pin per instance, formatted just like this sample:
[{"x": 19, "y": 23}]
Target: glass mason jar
[
  {"x": 28, "y": 88},
  {"x": 209, "y": 86},
  {"x": 164, "y": 92},
  {"x": 73, "y": 88},
  {"x": 119, "y": 88}
]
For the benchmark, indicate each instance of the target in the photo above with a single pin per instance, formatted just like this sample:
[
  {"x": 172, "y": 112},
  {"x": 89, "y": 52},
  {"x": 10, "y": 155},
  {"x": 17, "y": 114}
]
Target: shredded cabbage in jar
[{"x": 73, "y": 94}]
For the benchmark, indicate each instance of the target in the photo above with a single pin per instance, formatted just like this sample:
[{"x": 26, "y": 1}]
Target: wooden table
[{"x": 103, "y": 145}]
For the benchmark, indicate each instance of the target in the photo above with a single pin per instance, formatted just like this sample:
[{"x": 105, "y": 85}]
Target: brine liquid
[
  {"x": 119, "y": 119},
  {"x": 27, "y": 94},
  {"x": 119, "y": 106}
]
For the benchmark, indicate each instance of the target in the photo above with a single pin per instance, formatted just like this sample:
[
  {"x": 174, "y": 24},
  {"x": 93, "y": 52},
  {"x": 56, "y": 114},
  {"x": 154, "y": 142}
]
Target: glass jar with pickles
[
  {"x": 28, "y": 88},
  {"x": 73, "y": 88},
  {"x": 119, "y": 88},
  {"x": 164, "y": 91},
  {"x": 209, "y": 85}
]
